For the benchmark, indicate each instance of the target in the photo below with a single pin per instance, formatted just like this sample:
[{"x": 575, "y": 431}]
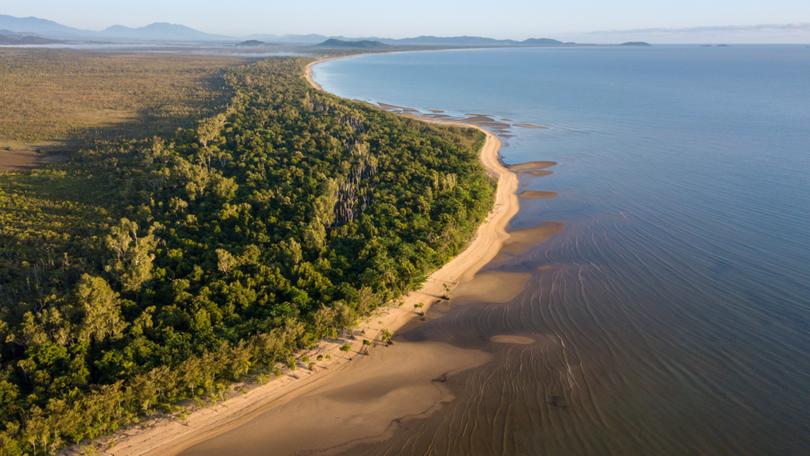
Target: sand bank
[
  {"x": 538, "y": 172},
  {"x": 532, "y": 166},
  {"x": 511, "y": 339},
  {"x": 172, "y": 435},
  {"x": 537, "y": 194},
  {"x": 522, "y": 240},
  {"x": 496, "y": 286}
]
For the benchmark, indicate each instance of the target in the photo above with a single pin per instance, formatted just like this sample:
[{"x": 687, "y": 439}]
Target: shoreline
[{"x": 172, "y": 435}]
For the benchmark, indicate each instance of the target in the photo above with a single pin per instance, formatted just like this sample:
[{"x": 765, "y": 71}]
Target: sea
[
  {"x": 659, "y": 274},
  {"x": 678, "y": 288}
]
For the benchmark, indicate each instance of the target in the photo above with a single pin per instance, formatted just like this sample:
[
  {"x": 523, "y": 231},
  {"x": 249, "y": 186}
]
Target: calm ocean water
[{"x": 676, "y": 299}]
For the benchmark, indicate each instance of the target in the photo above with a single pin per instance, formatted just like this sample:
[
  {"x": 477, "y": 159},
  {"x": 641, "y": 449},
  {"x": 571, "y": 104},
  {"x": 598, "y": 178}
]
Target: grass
[{"x": 59, "y": 100}]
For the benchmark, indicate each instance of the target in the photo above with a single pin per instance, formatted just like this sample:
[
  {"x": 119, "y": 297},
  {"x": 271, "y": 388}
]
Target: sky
[{"x": 398, "y": 18}]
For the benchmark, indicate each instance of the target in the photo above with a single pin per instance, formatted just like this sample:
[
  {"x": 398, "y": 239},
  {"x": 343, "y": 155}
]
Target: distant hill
[
  {"x": 160, "y": 31},
  {"x": 470, "y": 41},
  {"x": 543, "y": 42},
  {"x": 163, "y": 31},
  {"x": 636, "y": 43},
  {"x": 8, "y": 37},
  {"x": 334, "y": 43},
  {"x": 251, "y": 43},
  {"x": 444, "y": 41},
  {"x": 40, "y": 27},
  {"x": 450, "y": 41},
  {"x": 290, "y": 39}
]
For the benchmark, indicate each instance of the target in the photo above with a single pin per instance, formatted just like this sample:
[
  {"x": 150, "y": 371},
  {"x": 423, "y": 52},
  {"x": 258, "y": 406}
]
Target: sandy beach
[{"x": 388, "y": 382}]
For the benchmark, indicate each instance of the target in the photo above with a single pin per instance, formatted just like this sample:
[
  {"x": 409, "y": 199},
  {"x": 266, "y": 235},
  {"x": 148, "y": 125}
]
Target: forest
[{"x": 142, "y": 272}]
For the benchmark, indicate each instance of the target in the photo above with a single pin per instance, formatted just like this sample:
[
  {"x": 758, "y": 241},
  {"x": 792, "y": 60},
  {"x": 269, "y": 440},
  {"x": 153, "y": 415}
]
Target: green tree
[
  {"x": 97, "y": 310},
  {"x": 132, "y": 254}
]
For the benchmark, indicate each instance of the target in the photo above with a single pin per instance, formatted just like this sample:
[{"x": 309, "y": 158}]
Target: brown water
[{"x": 657, "y": 302}]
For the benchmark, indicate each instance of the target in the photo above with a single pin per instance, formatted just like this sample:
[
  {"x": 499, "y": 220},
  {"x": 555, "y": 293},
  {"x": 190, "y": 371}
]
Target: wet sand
[
  {"x": 538, "y": 172},
  {"x": 496, "y": 287},
  {"x": 522, "y": 240},
  {"x": 485, "y": 121},
  {"x": 359, "y": 405},
  {"x": 532, "y": 166},
  {"x": 537, "y": 194},
  {"x": 371, "y": 393},
  {"x": 510, "y": 339}
]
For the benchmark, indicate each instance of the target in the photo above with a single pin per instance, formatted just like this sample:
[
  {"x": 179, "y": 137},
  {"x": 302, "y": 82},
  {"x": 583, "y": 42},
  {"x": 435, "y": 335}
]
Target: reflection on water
[{"x": 660, "y": 302}]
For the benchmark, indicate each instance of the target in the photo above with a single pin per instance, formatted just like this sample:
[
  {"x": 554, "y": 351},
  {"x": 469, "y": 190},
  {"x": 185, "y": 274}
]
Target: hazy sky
[{"x": 395, "y": 18}]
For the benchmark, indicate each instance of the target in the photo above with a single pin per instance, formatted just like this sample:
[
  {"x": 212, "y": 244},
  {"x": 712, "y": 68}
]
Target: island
[{"x": 251, "y": 43}]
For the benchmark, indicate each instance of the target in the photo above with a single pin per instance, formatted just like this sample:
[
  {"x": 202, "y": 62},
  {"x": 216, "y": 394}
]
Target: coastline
[{"x": 173, "y": 435}]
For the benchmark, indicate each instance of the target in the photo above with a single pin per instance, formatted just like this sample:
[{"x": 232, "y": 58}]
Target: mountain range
[
  {"x": 158, "y": 31},
  {"x": 45, "y": 29},
  {"x": 333, "y": 43},
  {"x": 35, "y": 25},
  {"x": 426, "y": 40},
  {"x": 163, "y": 31},
  {"x": 15, "y": 38}
]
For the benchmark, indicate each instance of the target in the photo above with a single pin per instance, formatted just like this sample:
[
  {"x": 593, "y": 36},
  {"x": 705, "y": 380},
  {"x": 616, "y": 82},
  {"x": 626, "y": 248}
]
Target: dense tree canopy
[{"x": 176, "y": 265}]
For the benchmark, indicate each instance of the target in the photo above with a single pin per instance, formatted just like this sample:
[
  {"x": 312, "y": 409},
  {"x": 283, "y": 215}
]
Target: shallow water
[{"x": 658, "y": 302}]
